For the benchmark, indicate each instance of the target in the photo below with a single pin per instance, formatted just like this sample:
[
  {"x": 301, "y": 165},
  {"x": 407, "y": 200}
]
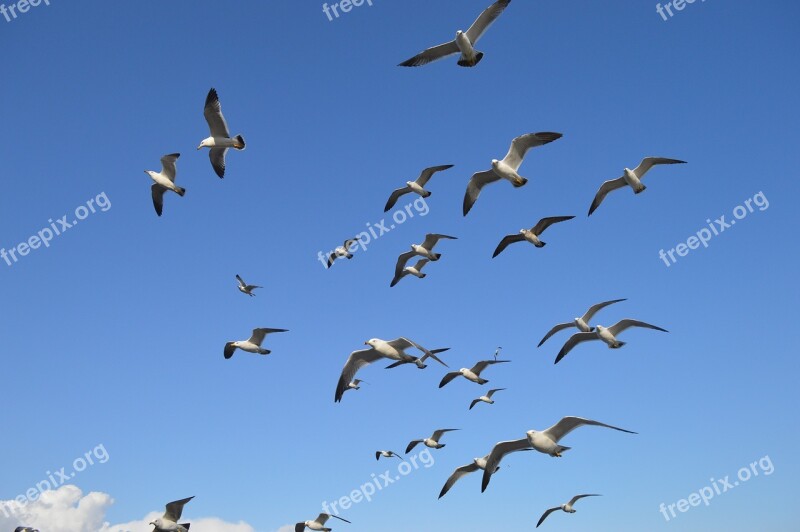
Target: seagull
[
  {"x": 497, "y": 352},
  {"x": 606, "y": 334},
  {"x": 545, "y": 442},
  {"x": 565, "y": 507},
  {"x": 632, "y": 178},
  {"x": 342, "y": 251},
  {"x": 420, "y": 362},
  {"x": 169, "y": 523},
  {"x": 355, "y": 385},
  {"x": 220, "y": 139},
  {"x": 531, "y": 235},
  {"x": 387, "y": 454},
  {"x": 581, "y": 323},
  {"x": 477, "y": 464},
  {"x": 393, "y": 349},
  {"x": 423, "y": 250},
  {"x": 164, "y": 181},
  {"x": 253, "y": 344},
  {"x": 318, "y": 523},
  {"x": 415, "y": 186},
  {"x": 464, "y": 42},
  {"x": 473, "y": 374},
  {"x": 485, "y": 398},
  {"x": 246, "y": 288},
  {"x": 507, "y": 168},
  {"x": 415, "y": 270},
  {"x": 432, "y": 442}
]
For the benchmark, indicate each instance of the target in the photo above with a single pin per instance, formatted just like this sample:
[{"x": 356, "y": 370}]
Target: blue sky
[{"x": 113, "y": 335}]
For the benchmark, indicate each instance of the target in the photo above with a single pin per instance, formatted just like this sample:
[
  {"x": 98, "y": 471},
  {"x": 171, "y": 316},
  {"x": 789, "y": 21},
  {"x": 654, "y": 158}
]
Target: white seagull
[
  {"x": 378, "y": 349},
  {"x": 318, "y": 523},
  {"x": 165, "y": 180},
  {"x": 424, "y": 250},
  {"x": 415, "y": 270},
  {"x": 432, "y": 442},
  {"x": 565, "y": 507},
  {"x": 463, "y": 43},
  {"x": 246, "y": 288},
  {"x": 473, "y": 374},
  {"x": 631, "y": 178},
  {"x": 545, "y": 441},
  {"x": 531, "y": 235},
  {"x": 581, "y": 323},
  {"x": 342, "y": 252},
  {"x": 420, "y": 362},
  {"x": 220, "y": 140},
  {"x": 508, "y": 167},
  {"x": 387, "y": 454},
  {"x": 416, "y": 187},
  {"x": 478, "y": 464},
  {"x": 485, "y": 398},
  {"x": 606, "y": 334},
  {"x": 169, "y": 523},
  {"x": 253, "y": 344}
]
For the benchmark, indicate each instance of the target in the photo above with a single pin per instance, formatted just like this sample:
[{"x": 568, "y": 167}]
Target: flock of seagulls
[{"x": 402, "y": 351}]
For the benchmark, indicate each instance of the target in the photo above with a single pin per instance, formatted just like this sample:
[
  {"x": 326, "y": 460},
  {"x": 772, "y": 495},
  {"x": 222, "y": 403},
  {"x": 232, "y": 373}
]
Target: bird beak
[
  {"x": 366, "y": 343},
  {"x": 146, "y": 172},
  {"x": 200, "y": 147}
]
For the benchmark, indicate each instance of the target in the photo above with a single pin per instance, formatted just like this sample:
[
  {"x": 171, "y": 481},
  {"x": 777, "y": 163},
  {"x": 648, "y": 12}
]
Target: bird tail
[
  {"x": 240, "y": 144},
  {"x": 180, "y": 190},
  {"x": 561, "y": 449},
  {"x": 422, "y": 275},
  {"x": 482, "y": 381},
  {"x": 185, "y": 526},
  {"x": 541, "y": 244},
  {"x": 640, "y": 190},
  {"x": 466, "y": 62},
  {"x": 426, "y": 193},
  {"x": 618, "y": 345},
  {"x": 437, "y": 256},
  {"x": 264, "y": 351}
]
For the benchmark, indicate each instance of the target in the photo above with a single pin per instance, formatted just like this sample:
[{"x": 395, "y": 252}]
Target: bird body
[
  {"x": 219, "y": 141},
  {"x": 566, "y": 507},
  {"x": 169, "y": 522},
  {"x": 485, "y": 398},
  {"x": 417, "y": 187},
  {"x": 472, "y": 374},
  {"x": 246, "y": 288},
  {"x": 164, "y": 180},
  {"x": 432, "y": 442},
  {"x": 342, "y": 252},
  {"x": 252, "y": 344},
  {"x": 318, "y": 524},
  {"x": 631, "y": 178},
  {"x": 608, "y": 335}
]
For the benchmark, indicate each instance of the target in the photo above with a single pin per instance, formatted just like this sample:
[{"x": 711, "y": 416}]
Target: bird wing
[
  {"x": 480, "y": 366},
  {"x": 157, "y": 191},
  {"x": 175, "y": 509},
  {"x": 476, "y": 183},
  {"x": 217, "y": 158},
  {"x": 412, "y": 444},
  {"x": 241, "y": 281},
  {"x": 426, "y": 174},
  {"x": 621, "y": 325},
  {"x": 339, "y": 518},
  {"x": 485, "y": 19},
  {"x": 473, "y": 403},
  {"x": 574, "y": 340},
  {"x": 570, "y": 423},
  {"x": 356, "y": 361},
  {"x": 229, "y": 349},
  {"x": 521, "y": 145},
  {"x": 401, "y": 343},
  {"x": 439, "y": 433},
  {"x": 168, "y": 167},
  {"x": 507, "y": 240},
  {"x": 498, "y": 452},
  {"x": 599, "y": 306},
  {"x": 420, "y": 263},
  {"x": 432, "y": 354},
  {"x": 299, "y": 527},
  {"x": 544, "y": 223},
  {"x": 447, "y": 378},
  {"x": 432, "y": 54},
  {"x": 609, "y": 186},
  {"x": 491, "y": 392},
  {"x": 213, "y": 113},
  {"x": 545, "y": 514},
  {"x": 432, "y": 238},
  {"x": 551, "y": 332},
  {"x": 649, "y": 162},
  {"x": 457, "y": 474},
  {"x": 576, "y": 497},
  {"x": 259, "y": 334},
  {"x": 395, "y": 196},
  {"x": 349, "y": 243},
  {"x": 401, "y": 262}
]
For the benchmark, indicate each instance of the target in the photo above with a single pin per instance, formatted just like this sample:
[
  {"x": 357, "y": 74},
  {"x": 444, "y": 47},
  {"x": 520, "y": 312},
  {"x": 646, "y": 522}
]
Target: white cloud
[
  {"x": 68, "y": 510},
  {"x": 286, "y": 528}
]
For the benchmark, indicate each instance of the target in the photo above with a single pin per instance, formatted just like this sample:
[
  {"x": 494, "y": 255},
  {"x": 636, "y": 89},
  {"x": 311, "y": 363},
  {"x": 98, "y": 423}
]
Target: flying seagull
[
  {"x": 463, "y": 43},
  {"x": 531, "y": 235},
  {"x": 164, "y": 181},
  {"x": 355, "y": 385},
  {"x": 477, "y": 464},
  {"x": 581, "y": 323},
  {"x": 424, "y": 250},
  {"x": 246, "y": 288},
  {"x": 420, "y": 362},
  {"x": 606, "y": 334},
  {"x": 318, "y": 523},
  {"x": 378, "y": 349},
  {"x": 220, "y": 140},
  {"x": 342, "y": 251},
  {"x": 415, "y": 186},
  {"x": 485, "y": 398},
  {"x": 545, "y": 441},
  {"x": 432, "y": 442},
  {"x": 415, "y": 270},
  {"x": 387, "y": 454},
  {"x": 473, "y": 374},
  {"x": 565, "y": 507},
  {"x": 508, "y": 167},
  {"x": 253, "y": 344},
  {"x": 169, "y": 523},
  {"x": 632, "y": 178}
]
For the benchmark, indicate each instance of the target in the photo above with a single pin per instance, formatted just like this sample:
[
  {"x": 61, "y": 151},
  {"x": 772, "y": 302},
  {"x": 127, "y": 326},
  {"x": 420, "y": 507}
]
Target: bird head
[{"x": 371, "y": 342}]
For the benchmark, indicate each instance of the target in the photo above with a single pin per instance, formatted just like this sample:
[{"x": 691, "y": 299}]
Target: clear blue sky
[{"x": 114, "y": 334}]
